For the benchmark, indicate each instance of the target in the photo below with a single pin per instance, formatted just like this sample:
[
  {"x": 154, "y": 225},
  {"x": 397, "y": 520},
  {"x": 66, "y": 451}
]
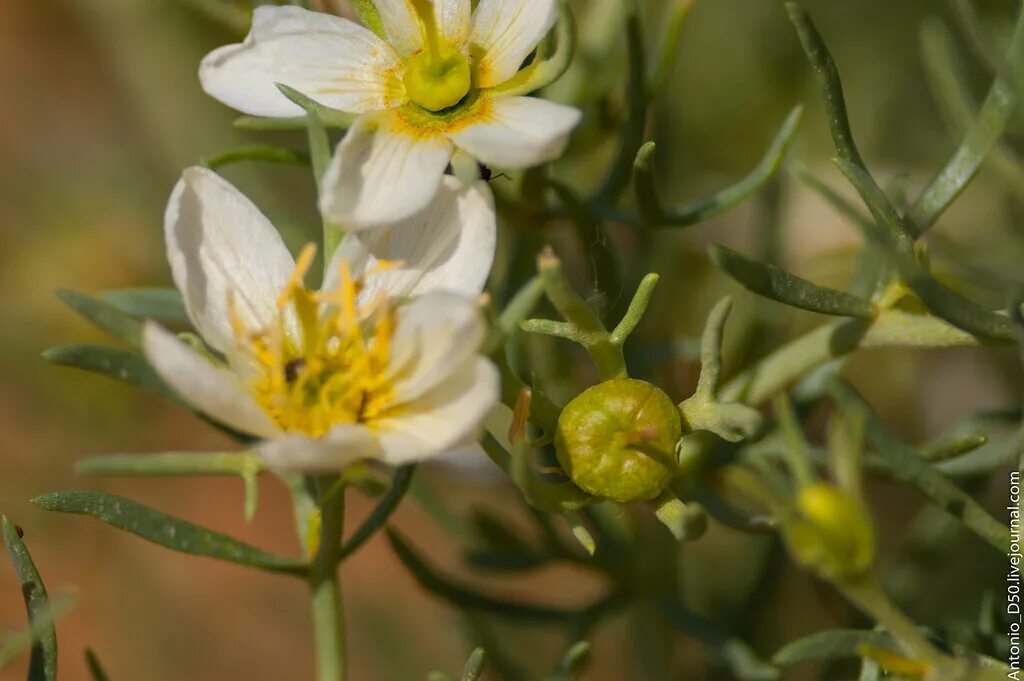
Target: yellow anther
[{"x": 297, "y": 279}]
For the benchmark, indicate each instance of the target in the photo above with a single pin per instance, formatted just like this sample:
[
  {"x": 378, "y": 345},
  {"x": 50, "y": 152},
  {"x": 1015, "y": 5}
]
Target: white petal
[
  {"x": 448, "y": 246},
  {"x": 212, "y": 390},
  {"x": 453, "y": 20},
  {"x": 434, "y": 335},
  {"x": 518, "y": 132},
  {"x": 401, "y": 25},
  {"x": 220, "y": 245},
  {"x": 447, "y": 417},
  {"x": 342, "y": 446},
  {"x": 332, "y": 60},
  {"x": 382, "y": 172},
  {"x": 505, "y": 32}
]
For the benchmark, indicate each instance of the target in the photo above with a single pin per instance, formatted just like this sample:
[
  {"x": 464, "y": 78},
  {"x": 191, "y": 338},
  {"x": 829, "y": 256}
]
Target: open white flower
[
  {"x": 349, "y": 372},
  {"x": 440, "y": 81}
]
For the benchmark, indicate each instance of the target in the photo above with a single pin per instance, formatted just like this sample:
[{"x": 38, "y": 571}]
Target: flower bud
[
  {"x": 617, "y": 440},
  {"x": 830, "y": 533}
]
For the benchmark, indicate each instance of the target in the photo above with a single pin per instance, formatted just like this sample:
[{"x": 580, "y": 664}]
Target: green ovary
[{"x": 437, "y": 81}]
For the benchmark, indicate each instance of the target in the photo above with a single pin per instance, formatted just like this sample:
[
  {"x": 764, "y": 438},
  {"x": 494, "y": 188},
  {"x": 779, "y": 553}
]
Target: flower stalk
[{"x": 325, "y": 583}]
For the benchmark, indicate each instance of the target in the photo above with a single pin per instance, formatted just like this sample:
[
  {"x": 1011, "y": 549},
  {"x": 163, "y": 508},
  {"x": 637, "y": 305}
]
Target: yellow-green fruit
[
  {"x": 617, "y": 440},
  {"x": 831, "y": 534}
]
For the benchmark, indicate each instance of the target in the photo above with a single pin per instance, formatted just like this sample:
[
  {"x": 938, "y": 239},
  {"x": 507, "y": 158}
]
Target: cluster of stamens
[{"x": 334, "y": 369}]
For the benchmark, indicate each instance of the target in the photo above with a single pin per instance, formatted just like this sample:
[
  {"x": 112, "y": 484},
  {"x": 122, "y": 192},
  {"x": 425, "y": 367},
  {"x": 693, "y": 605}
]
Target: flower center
[
  {"x": 437, "y": 82},
  {"x": 438, "y": 77},
  {"x": 336, "y": 371}
]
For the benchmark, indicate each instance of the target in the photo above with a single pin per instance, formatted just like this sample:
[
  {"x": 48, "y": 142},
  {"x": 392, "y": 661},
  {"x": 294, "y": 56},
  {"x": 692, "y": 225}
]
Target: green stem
[
  {"x": 325, "y": 584},
  {"x": 787, "y": 364},
  {"x": 892, "y": 328},
  {"x": 870, "y": 598}
]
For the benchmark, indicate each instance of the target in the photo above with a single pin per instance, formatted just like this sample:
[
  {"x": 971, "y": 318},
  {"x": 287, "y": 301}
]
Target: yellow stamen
[
  {"x": 302, "y": 265},
  {"x": 337, "y": 372}
]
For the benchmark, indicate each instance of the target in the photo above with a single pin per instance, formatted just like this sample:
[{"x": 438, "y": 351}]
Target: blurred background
[{"x": 100, "y": 109}]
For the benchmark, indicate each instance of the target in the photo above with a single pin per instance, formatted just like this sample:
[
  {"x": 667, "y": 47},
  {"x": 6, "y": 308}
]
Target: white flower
[
  {"x": 436, "y": 84},
  {"x": 349, "y": 372}
]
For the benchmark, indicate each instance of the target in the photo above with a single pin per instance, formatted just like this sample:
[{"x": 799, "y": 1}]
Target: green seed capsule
[{"x": 617, "y": 440}]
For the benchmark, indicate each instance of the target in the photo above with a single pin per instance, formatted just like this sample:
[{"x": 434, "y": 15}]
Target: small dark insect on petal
[
  {"x": 485, "y": 172},
  {"x": 291, "y": 369}
]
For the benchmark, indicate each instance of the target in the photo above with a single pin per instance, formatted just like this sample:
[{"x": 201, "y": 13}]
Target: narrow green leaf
[
  {"x": 952, "y": 91},
  {"x": 911, "y": 468},
  {"x": 103, "y": 315},
  {"x": 825, "y": 70},
  {"x": 167, "y": 531},
  {"x": 245, "y": 465},
  {"x": 892, "y": 232},
  {"x": 636, "y": 310},
  {"x": 323, "y": 116},
  {"x": 495, "y": 534},
  {"x": 954, "y": 447},
  {"x": 502, "y": 562},
  {"x": 952, "y": 307},
  {"x": 832, "y": 644},
  {"x": 721, "y": 201},
  {"x": 261, "y": 124},
  {"x": 782, "y": 286},
  {"x": 319, "y": 144},
  {"x": 120, "y": 365},
  {"x": 521, "y": 305},
  {"x": 161, "y": 304},
  {"x": 95, "y": 668},
  {"x": 474, "y": 665},
  {"x": 464, "y": 597},
  {"x": 382, "y": 512},
  {"x": 850, "y": 161},
  {"x": 573, "y": 662},
  {"x": 171, "y": 463},
  {"x": 979, "y": 140},
  {"x": 262, "y": 154},
  {"x": 43, "y": 662}
]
